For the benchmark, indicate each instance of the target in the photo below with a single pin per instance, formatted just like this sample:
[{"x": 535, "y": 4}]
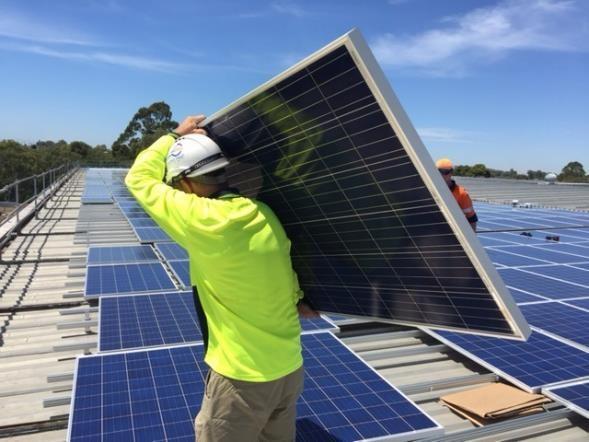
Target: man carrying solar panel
[
  {"x": 459, "y": 193},
  {"x": 247, "y": 292}
]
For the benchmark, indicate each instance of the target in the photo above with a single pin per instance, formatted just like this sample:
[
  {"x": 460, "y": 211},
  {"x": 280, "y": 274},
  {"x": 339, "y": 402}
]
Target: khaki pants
[{"x": 243, "y": 411}]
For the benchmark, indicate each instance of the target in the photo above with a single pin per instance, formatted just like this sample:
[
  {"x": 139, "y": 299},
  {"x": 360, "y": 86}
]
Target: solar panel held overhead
[{"x": 375, "y": 230}]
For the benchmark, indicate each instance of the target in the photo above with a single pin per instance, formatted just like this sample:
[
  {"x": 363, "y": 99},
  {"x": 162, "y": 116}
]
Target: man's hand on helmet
[{"x": 190, "y": 126}]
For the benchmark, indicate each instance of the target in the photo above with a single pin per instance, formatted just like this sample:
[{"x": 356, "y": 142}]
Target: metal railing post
[
  {"x": 35, "y": 190},
  {"x": 17, "y": 196}
]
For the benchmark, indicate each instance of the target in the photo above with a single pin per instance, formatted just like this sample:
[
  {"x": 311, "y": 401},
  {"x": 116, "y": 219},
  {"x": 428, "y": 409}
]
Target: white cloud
[
  {"x": 444, "y": 135},
  {"x": 20, "y": 33},
  {"x": 131, "y": 61},
  {"x": 19, "y": 27},
  {"x": 486, "y": 34},
  {"x": 288, "y": 8}
]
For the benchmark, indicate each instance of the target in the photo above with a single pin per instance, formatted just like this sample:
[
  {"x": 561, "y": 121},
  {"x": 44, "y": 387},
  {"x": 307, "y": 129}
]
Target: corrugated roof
[{"x": 563, "y": 195}]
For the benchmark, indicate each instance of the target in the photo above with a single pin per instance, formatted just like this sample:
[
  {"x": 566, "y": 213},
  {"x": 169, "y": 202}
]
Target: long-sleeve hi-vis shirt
[
  {"x": 240, "y": 264},
  {"x": 464, "y": 202}
]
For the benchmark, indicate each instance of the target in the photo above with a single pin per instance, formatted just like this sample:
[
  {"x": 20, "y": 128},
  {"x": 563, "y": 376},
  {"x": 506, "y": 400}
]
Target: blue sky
[{"x": 503, "y": 82}]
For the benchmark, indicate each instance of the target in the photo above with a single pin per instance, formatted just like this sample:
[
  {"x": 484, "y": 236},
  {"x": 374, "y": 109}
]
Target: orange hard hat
[{"x": 444, "y": 163}]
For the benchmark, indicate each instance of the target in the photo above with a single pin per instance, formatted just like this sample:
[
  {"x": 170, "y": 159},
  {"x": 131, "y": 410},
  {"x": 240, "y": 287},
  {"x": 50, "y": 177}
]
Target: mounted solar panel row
[
  {"x": 120, "y": 255},
  {"x": 569, "y": 274},
  {"x": 328, "y": 147},
  {"x": 120, "y": 279},
  {"x": 128, "y": 322},
  {"x": 155, "y": 395},
  {"x": 575, "y": 396},
  {"x": 100, "y": 185},
  {"x": 568, "y": 322},
  {"x": 541, "y": 285},
  {"x": 501, "y": 217},
  {"x": 532, "y": 365}
]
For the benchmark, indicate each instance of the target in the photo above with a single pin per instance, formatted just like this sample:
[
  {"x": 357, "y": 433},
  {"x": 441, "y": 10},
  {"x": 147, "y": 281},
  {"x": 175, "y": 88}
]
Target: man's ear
[{"x": 185, "y": 185}]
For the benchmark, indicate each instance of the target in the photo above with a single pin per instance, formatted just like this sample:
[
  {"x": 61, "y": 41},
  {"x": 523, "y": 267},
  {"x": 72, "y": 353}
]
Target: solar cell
[
  {"x": 575, "y": 396},
  {"x": 511, "y": 238},
  {"x": 126, "y": 278},
  {"x": 583, "y": 303},
  {"x": 131, "y": 215},
  {"x": 579, "y": 251},
  {"x": 127, "y": 204},
  {"x": 544, "y": 253},
  {"x": 171, "y": 251},
  {"x": 532, "y": 365},
  {"x": 562, "y": 320},
  {"x": 132, "y": 209},
  {"x": 521, "y": 297},
  {"x": 155, "y": 395},
  {"x": 142, "y": 222},
  {"x": 503, "y": 256},
  {"x": 487, "y": 240},
  {"x": 181, "y": 270},
  {"x": 374, "y": 229},
  {"x": 151, "y": 234},
  {"x": 541, "y": 285},
  {"x": 565, "y": 273},
  {"x": 120, "y": 255}
]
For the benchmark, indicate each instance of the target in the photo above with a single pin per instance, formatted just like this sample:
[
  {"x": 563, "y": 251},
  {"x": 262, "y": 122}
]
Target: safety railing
[{"x": 31, "y": 190}]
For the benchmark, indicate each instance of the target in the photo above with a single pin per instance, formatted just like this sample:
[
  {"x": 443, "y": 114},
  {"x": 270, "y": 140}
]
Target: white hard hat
[{"x": 193, "y": 155}]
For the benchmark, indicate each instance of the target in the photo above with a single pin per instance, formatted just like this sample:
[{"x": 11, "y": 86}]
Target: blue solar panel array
[
  {"x": 574, "y": 396},
  {"x": 156, "y": 394},
  {"x": 122, "y": 279},
  {"x": 534, "y": 364},
  {"x": 527, "y": 280},
  {"x": 128, "y": 322},
  {"x": 550, "y": 282},
  {"x": 120, "y": 255}
]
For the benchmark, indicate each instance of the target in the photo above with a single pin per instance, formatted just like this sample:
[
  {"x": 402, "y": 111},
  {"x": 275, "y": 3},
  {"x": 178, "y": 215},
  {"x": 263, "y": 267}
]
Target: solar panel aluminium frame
[
  {"x": 436, "y": 431},
  {"x": 550, "y": 392},
  {"x": 417, "y": 152},
  {"x": 500, "y": 372}
]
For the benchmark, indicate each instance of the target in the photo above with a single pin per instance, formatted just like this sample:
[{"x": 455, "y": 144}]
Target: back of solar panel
[{"x": 375, "y": 231}]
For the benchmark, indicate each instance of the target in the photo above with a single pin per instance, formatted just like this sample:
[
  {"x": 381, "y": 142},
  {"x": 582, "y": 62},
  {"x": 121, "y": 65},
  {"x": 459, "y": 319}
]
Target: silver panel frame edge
[{"x": 416, "y": 150}]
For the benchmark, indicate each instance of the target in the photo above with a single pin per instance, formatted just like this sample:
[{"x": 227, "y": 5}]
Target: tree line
[
  {"x": 20, "y": 160},
  {"x": 573, "y": 172}
]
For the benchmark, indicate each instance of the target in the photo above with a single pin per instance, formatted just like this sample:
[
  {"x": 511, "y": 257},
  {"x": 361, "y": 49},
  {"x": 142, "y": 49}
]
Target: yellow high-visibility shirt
[{"x": 240, "y": 264}]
